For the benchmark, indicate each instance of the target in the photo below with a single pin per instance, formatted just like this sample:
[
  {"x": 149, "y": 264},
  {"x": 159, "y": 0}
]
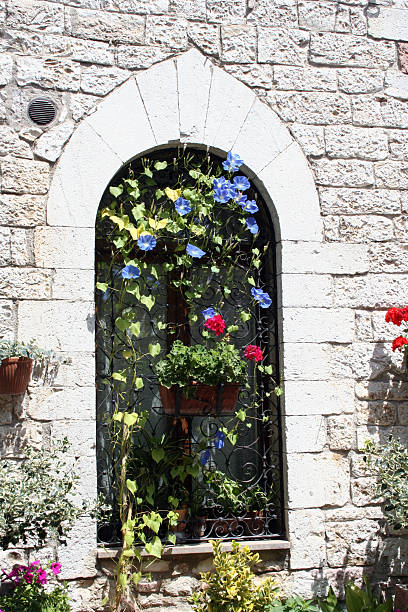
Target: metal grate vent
[{"x": 42, "y": 111}]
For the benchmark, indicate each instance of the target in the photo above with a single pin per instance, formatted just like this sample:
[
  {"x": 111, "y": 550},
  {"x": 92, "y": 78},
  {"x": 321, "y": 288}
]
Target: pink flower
[
  {"x": 216, "y": 324},
  {"x": 29, "y": 577},
  {"x": 253, "y": 353},
  {"x": 56, "y": 568},
  {"x": 41, "y": 576}
]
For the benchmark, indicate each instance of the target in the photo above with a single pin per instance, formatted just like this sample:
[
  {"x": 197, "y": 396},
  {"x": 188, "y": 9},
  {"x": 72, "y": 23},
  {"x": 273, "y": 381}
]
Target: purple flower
[
  {"x": 130, "y": 272},
  {"x": 208, "y": 313},
  {"x": 249, "y": 206},
  {"x": 205, "y": 457},
  {"x": 182, "y": 206},
  {"x": 219, "y": 439},
  {"x": 194, "y": 251},
  {"x": 241, "y": 183},
  {"x": 233, "y": 162},
  {"x": 146, "y": 242},
  {"x": 252, "y": 225}
]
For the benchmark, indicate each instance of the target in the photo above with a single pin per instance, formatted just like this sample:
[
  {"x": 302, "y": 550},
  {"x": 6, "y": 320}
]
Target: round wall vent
[{"x": 42, "y": 111}]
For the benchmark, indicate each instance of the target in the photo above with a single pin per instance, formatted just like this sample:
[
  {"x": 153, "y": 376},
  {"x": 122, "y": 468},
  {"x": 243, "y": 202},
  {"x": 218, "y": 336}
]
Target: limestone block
[
  {"x": 315, "y": 108},
  {"x": 253, "y": 75},
  {"x": 319, "y": 16},
  {"x": 401, "y": 226},
  {"x": 392, "y": 557},
  {"x": 35, "y": 16},
  {"x": 6, "y": 69},
  {"x": 107, "y": 26},
  {"x": 379, "y": 390},
  {"x": 80, "y": 434},
  {"x": 306, "y": 290},
  {"x": 286, "y": 196},
  {"x": 6, "y": 401},
  {"x": 360, "y": 81},
  {"x": 364, "y": 328},
  {"x": 359, "y": 228},
  {"x": 185, "y": 585},
  {"x": 79, "y": 254},
  {"x": 373, "y": 291},
  {"x": 352, "y": 543},
  {"x": 323, "y": 258},
  {"x": 5, "y": 252},
  {"x": 26, "y": 43},
  {"x": 341, "y": 432},
  {"x": 25, "y": 176},
  {"x": 393, "y": 174},
  {"x": 306, "y": 530},
  {"x": 304, "y": 79},
  {"x": 79, "y": 372},
  {"x": 318, "y": 325},
  {"x": 121, "y": 120},
  {"x": 304, "y": 362},
  {"x": 25, "y": 283},
  {"x": 359, "y": 469},
  {"x": 88, "y": 51},
  {"x": 11, "y": 144},
  {"x": 305, "y": 434},
  {"x": 238, "y": 43},
  {"x": 398, "y": 144},
  {"x": 339, "y": 50},
  {"x": 191, "y": 9},
  {"x": 385, "y": 112},
  {"x": 346, "y": 141},
  {"x": 382, "y": 331},
  {"x": 276, "y": 13},
  {"x": 78, "y": 556},
  {"x": 310, "y": 138},
  {"x": 193, "y": 80},
  {"x": 388, "y": 258},
  {"x": 100, "y": 80},
  {"x": 140, "y": 57},
  {"x": 81, "y": 104},
  {"x": 261, "y": 138},
  {"x": 13, "y": 440},
  {"x": 162, "y": 110},
  {"x": 310, "y": 583},
  {"x": 359, "y": 361},
  {"x": 390, "y": 23},
  {"x": 282, "y": 46},
  {"x": 63, "y": 75},
  {"x": 308, "y": 397},
  {"x": 363, "y": 491},
  {"x": 143, "y": 7},
  {"x": 219, "y": 11},
  {"x": 403, "y": 56},
  {"x": 359, "y": 201},
  {"x": 167, "y": 31},
  {"x": 343, "y": 173},
  {"x": 21, "y": 247},
  {"x": 8, "y": 319},
  {"x": 73, "y": 284},
  {"x": 58, "y": 325},
  {"x": 396, "y": 84},
  {"x": 74, "y": 404},
  {"x": 316, "y": 480},
  {"x": 404, "y": 201},
  {"x": 25, "y": 210},
  {"x": 206, "y": 37},
  {"x": 50, "y": 144},
  {"x": 229, "y": 104},
  {"x": 75, "y": 194}
]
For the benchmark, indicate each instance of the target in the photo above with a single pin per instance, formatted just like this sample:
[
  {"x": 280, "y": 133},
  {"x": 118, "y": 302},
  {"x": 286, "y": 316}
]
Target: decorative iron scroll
[{"x": 239, "y": 494}]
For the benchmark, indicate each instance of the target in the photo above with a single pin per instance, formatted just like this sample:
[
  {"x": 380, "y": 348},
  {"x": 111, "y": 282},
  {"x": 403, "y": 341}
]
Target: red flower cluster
[
  {"x": 216, "y": 324},
  {"x": 397, "y": 315},
  {"x": 398, "y": 343},
  {"x": 254, "y": 353}
]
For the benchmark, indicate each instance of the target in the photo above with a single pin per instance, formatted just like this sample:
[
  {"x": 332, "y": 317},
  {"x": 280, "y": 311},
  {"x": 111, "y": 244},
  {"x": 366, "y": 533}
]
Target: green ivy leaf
[
  {"x": 148, "y": 172},
  {"x": 251, "y": 281},
  {"x": 172, "y": 538},
  {"x": 154, "y": 349},
  {"x": 120, "y": 375},
  {"x": 122, "y": 323},
  {"x": 245, "y": 316},
  {"x": 161, "y": 325},
  {"x": 116, "y": 191},
  {"x": 158, "y": 454},
  {"x": 215, "y": 269},
  {"x": 131, "y": 485},
  {"x": 136, "y": 577},
  {"x": 154, "y": 547},
  {"x": 138, "y": 211},
  {"x": 160, "y": 165},
  {"x": 241, "y": 415},
  {"x": 268, "y": 369},
  {"x": 130, "y": 418},
  {"x": 148, "y": 301},
  {"x": 139, "y": 384},
  {"x": 102, "y": 286},
  {"x": 153, "y": 521},
  {"x": 134, "y": 328},
  {"x": 232, "y": 328}
]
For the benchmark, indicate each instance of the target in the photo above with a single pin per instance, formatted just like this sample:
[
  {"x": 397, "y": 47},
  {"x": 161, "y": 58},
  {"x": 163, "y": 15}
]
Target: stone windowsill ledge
[{"x": 201, "y": 548}]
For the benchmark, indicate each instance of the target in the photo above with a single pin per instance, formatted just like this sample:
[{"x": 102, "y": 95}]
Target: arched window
[{"x": 224, "y": 468}]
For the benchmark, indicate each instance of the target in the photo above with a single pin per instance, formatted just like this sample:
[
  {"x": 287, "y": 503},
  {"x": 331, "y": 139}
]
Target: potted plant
[{"x": 16, "y": 359}]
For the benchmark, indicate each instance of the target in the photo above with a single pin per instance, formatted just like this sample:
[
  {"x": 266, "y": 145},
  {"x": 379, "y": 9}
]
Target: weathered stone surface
[
  {"x": 88, "y": 51},
  {"x": 316, "y": 290},
  {"x": 343, "y": 173},
  {"x": 338, "y": 50},
  {"x": 78, "y": 556},
  {"x": 48, "y": 255},
  {"x": 318, "y": 325},
  {"x": 347, "y": 141},
  {"x": 363, "y": 491},
  {"x": 389, "y": 258},
  {"x": 277, "y": 13},
  {"x": 307, "y": 539},
  {"x": 24, "y": 210},
  {"x": 318, "y": 397},
  {"x": 401, "y": 227},
  {"x": 380, "y": 111},
  {"x": 259, "y": 76},
  {"x": 403, "y": 57},
  {"x": 396, "y": 84},
  {"x": 100, "y": 80},
  {"x": 317, "y": 15},
  {"x": 191, "y": 9},
  {"x": 80, "y": 371},
  {"x": 359, "y": 229},
  {"x": 18, "y": 41},
  {"x": 35, "y": 16},
  {"x": 51, "y": 143},
  {"x": 5, "y": 253},
  {"x": 359, "y": 361},
  {"x": 21, "y": 247},
  {"x": 73, "y": 404},
  {"x": 140, "y": 57},
  {"x": 313, "y": 107},
  {"x": 192, "y": 101},
  {"x": 392, "y": 174},
  {"x": 226, "y": 12},
  {"x": 359, "y": 81},
  {"x": 305, "y": 362},
  {"x": 185, "y": 585},
  {"x": 168, "y": 32},
  {"x": 305, "y": 434},
  {"x": 341, "y": 432},
  {"x": 398, "y": 140},
  {"x": 373, "y": 291},
  {"x": 73, "y": 284},
  {"x": 379, "y": 413},
  {"x": 21, "y": 176},
  {"x": 378, "y": 390},
  {"x": 52, "y": 75},
  {"x": 6, "y": 69},
  {"x": 206, "y": 37},
  {"x": 359, "y": 201},
  {"x": 8, "y": 320},
  {"x": 238, "y": 43},
  {"x": 11, "y": 144},
  {"x": 281, "y": 46},
  {"x": 321, "y": 258},
  {"x": 304, "y": 79},
  {"x": 14, "y": 440},
  {"x": 138, "y": 6},
  {"x": 81, "y": 104},
  {"x": 25, "y": 283},
  {"x": 364, "y": 328},
  {"x": 105, "y": 26},
  {"x": 310, "y": 138},
  {"x": 390, "y": 23},
  {"x": 352, "y": 543}
]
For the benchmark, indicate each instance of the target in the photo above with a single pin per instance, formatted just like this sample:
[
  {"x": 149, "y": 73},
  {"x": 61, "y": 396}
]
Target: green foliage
[
  {"x": 234, "y": 496},
  {"x": 21, "y": 349},
  {"x": 292, "y": 604},
  {"x": 35, "y": 497},
  {"x": 389, "y": 462},
  {"x": 220, "y": 363},
  {"x": 357, "y": 600},
  {"x": 231, "y": 587},
  {"x": 330, "y": 603}
]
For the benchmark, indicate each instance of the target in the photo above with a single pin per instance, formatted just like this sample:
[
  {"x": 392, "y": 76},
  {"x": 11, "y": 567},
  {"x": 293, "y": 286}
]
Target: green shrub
[
  {"x": 357, "y": 600},
  {"x": 292, "y": 604}
]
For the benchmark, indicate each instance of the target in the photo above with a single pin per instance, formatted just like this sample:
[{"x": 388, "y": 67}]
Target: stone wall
[{"x": 335, "y": 75}]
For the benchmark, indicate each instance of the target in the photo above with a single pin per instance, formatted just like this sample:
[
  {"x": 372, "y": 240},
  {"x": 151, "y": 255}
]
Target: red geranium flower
[
  {"x": 398, "y": 343},
  {"x": 216, "y": 324},
  {"x": 253, "y": 353},
  {"x": 396, "y": 315}
]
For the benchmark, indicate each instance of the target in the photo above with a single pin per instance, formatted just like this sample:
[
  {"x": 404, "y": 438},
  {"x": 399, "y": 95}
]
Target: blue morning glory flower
[
  {"x": 265, "y": 301},
  {"x": 205, "y": 457},
  {"x": 252, "y": 225},
  {"x": 146, "y": 242},
  {"x": 256, "y": 293},
  {"x": 208, "y": 313},
  {"x": 233, "y": 162},
  {"x": 219, "y": 439},
  {"x": 194, "y": 251},
  {"x": 250, "y": 206},
  {"x": 105, "y": 295},
  {"x": 130, "y": 272},
  {"x": 225, "y": 192},
  {"x": 241, "y": 183},
  {"x": 219, "y": 182},
  {"x": 182, "y": 206}
]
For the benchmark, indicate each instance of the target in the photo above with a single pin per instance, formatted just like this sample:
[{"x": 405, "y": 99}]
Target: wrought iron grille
[{"x": 239, "y": 494}]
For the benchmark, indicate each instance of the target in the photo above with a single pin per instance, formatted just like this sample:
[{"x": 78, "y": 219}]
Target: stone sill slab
[{"x": 202, "y": 548}]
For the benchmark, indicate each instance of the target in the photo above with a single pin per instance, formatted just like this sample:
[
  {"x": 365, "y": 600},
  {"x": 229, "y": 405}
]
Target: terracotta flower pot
[
  {"x": 15, "y": 375},
  {"x": 205, "y": 401}
]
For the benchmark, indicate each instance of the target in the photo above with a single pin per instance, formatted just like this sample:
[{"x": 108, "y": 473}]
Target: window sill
[{"x": 202, "y": 548}]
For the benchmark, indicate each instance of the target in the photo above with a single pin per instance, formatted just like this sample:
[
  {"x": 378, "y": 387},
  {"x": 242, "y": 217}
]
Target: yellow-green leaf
[
  {"x": 172, "y": 194},
  {"x": 154, "y": 349},
  {"x": 139, "y": 383},
  {"x": 148, "y": 301},
  {"x": 158, "y": 224}
]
